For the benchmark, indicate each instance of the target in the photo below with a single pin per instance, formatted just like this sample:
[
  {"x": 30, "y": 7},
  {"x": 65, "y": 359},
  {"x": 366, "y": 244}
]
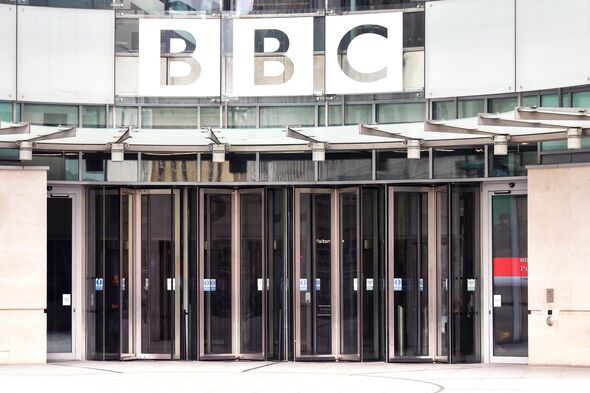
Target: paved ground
[{"x": 164, "y": 377}]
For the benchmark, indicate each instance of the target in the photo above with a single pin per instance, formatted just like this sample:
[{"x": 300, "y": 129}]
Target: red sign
[{"x": 511, "y": 267}]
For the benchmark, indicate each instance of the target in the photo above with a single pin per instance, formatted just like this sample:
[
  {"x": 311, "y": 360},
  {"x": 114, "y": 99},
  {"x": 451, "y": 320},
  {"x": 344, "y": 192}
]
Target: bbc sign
[{"x": 270, "y": 56}]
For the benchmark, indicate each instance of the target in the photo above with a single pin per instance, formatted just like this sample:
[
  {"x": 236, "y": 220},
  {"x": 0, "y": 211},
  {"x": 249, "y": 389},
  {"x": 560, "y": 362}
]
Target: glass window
[
  {"x": 281, "y": 116},
  {"x": 355, "y": 165},
  {"x": 550, "y": 100},
  {"x": 167, "y": 6},
  {"x": 565, "y": 99},
  {"x": 125, "y": 116},
  {"x": 237, "y": 167},
  {"x": 400, "y": 113},
  {"x": 6, "y": 111},
  {"x": 514, "y": 164},
  {"x": 9, "y": 155},
  {"x": 99, "y": 167},
  {"x": 413, "y": 29},
  {"x": 51, "y": 115},
  {"x": 101, "y": 4},
  {"x": 395, "y": 165},
  {"x": 529, "y": 101},
  {"x": 500, "y": 105},
  {"x": 443, "y": 110},
  {"x": 209, "y": 116},
  {"x": 470, "y": 108},
  {"x": 334, "y": 115},
  {"x": 169, "y": 168},
  {"x": 169, "y": 117},
  {"x": 127, "y": 35},
  {"x": 581, "y": 99},
  {"x": 241, "y": 117},
  {"x": 458, "y": 162},
  {"x": 358, "y": 114},
  {"x": 94, "y": 116},
  {"x": 273, "y": 6},
  {"x": 290, "y": 167}
]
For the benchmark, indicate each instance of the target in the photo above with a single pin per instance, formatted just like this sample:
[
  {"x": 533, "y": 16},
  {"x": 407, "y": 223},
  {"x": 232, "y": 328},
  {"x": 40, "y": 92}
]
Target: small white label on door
[
  {"x": 259, "y": 284},
  {"x": 303, "y": 284},
  {"x": 397, "y": 284},
  {"x": 66, "y": 299},
  {"x": 355, "y": 284},
  {"x": 213, "y": 283},
  {"x": 369, "y": 284},
  {"x": 206, "y": 285},
  {"x": 421, "y": 284},
  {"x": 471, "y": 285},
  {"x": 497, "y": 300},
  {"x": 169, "y": 284}
]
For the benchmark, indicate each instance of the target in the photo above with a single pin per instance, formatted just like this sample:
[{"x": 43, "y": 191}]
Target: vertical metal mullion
[
  {"x": 450, "y": 323},
  {"x": 139, "y": 167},
  {"x": 360, "y": 275},
  {"x": 312, "y": 270},
  {"x": 257, "y": 171},
  {"x": 80, "y": 166},
  {"x": 430, "y": 163},
  {"x": 373, "y": 164},
  {"x": 486, "y": 164}
]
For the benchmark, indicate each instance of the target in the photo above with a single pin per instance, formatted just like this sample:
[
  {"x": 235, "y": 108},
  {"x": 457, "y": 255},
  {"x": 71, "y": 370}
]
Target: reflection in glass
[
  {"x": 410, "y": 245},
  {"x": 251, "y": 275},
  {"x": 465, "y": 262},
  {"x": 400, "y": 113},
  {"x": 169, "y": 168},
  {"x": 459, "y": 163},
  {"x": 349, "y": 275},
  {"x": 286, "y": 167},
  {"x": 443, "y": 110},
  {"x": 217, "y": 300},
  {"x": 442, "y": 250},
  {"x": 510, "y": 275},
  {"x": 169, "y": 117},
  {"x": 355, "y": 165},
  {"x": 358, "y": 114},
  {"x": 210, "y": 116},
  {"x": 241, "y": 117},
  {"x": 394, "y": 165},
  {"x": 334, "y": 115},
  {"x": 6, "y": 111},
  {"x": 500, "y": 105},
  {"x": 470, "y": 108},
  {"x": 94, "y": 116},
  {"x": 59, "y": 275},
  {"x": 236, "y": 167},
  {"x": 157, "y": 272},
  {"x": 514, "y": 164},
  {"x": 315, "y": 271},
  {"x": 280, "y": 116},
  {"x": 51, "y": 115}
]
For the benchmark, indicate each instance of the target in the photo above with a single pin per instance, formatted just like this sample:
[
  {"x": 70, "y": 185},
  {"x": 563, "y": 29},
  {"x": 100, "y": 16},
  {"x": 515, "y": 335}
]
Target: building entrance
[
  {"x": 149, "y": 279},
  {"x": 232, "y": 275}
]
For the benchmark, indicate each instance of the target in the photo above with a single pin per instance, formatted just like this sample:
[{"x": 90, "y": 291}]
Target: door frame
[
  {"x": 135, "y": 285},
  {"x": 433, "y": 274},
  {"x": 335, "y": 275},
  {"x": 77, "y": 196},
  {"x": 488, "y": 190}
]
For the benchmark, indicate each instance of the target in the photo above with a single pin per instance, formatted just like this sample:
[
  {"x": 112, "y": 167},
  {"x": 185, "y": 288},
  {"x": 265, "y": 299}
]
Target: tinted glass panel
[
  {"x": 346, "y": 166},
  {"x": 237, "y": 167},
  {"x": 51, "y": 115},
  {"x": 6, "y": 111},
  {"x": 169, "y": 117},
  {"x": 286, "y": 167},
  {"x": 443, "y": 110},
  {"x": 349, "y": 274},
  {"x": 470, "y": 108},
  {"x": 514, "y": 164},
  {"x": 59, "y": 275},
  {"x": 94, "y": 116},
  {"x": 510, "y": 275},
  {"x": 452, "y": 163},
  {"x": 499, "y": 105},
  {"x": 392, "y": 165},
  {"x": 281, "y": 116},
  {"x": 400, "y": 113}
]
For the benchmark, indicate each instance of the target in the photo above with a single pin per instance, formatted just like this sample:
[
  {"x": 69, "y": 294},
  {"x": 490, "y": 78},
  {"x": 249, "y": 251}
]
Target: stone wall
[
  {"x": 23, "y": 265},
  {"x": 559, "y": 258}
]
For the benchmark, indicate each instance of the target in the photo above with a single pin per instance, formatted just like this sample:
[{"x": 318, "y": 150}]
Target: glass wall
[
  {"x": 459, "y": 162},
  {"x": 169, "y": 117},
  {"x": 470, "y": 108},
  {"x": 51, "y": 115},
  {"x": 6, "y": 111},
  {"x": 394, "y": 165},
  {"x": 514, "y": 164},
  {"x": 443, "y": 110},
  {"x": 94, "y": 116},
  {"x": 401, "y": 113}
]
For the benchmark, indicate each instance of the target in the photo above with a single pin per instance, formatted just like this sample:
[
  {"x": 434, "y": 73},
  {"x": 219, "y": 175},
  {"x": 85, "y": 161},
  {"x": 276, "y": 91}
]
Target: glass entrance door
[
  {"x": 413, "y": 275},
  {"x": 233, "y": 281},
  {"x": 315, "y": 313},
  {"x": 150, "y": 274},
  {"x": 60, "y": 315},
  {"x": 509, "y": 275}
]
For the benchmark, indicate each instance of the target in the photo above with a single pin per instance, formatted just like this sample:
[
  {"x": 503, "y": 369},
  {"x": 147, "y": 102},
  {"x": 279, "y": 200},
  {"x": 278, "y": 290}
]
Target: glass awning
[{"x": 524, "y": 124}]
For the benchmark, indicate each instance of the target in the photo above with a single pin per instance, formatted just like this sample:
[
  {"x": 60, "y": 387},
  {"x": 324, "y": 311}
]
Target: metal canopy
[{"x": 524, "y": 124}]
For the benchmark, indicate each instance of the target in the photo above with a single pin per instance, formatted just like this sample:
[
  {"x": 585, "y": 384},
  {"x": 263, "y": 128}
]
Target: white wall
[
  {"x": 23, "y": 265},
  {"x": 65, "y": 55},
  {"x": 481, "y": 47},
  {"x": 8, "y": 52},
  {"x": 559, "y": 250},
  {"x": 552, "y": 43},
  {"x": 469, "y": 47}
]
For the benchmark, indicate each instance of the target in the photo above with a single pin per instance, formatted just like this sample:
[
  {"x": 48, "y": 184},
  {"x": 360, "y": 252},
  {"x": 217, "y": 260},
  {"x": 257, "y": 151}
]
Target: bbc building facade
[{"x": 295, "y": 180}]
